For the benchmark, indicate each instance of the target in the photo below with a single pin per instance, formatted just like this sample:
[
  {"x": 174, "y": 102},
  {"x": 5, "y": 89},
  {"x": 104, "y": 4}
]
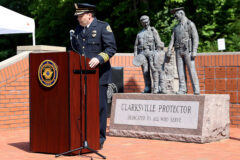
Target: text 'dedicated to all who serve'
[{"x": 159, "y": 113}]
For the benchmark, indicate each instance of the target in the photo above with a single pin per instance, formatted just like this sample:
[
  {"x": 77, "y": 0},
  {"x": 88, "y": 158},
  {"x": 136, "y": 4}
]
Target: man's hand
[
  {"x": 168, "y": 57},
  {"x": 160, "y": 48},
  {"x": 93, "y": 62},
  {"x": 168, "y": 54},
  {"x": 193, "y": 55},
  {"x": 135, "y": 54}
]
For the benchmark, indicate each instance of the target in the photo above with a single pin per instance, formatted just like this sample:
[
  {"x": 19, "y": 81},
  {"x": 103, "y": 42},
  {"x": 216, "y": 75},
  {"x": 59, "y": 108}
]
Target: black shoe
[{"x": 147, "y": 90}]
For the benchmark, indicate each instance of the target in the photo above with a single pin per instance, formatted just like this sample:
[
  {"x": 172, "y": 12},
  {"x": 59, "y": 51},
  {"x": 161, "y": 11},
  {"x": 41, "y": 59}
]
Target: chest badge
[{"x": 94, "y": 33}]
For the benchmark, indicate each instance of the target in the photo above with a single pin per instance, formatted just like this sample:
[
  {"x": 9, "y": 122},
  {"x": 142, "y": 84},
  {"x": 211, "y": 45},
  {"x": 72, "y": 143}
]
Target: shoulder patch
[{"x": 108, "y": 28}]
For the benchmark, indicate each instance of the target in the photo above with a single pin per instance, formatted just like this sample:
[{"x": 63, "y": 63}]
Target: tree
[{"x": 54, "y": 18}]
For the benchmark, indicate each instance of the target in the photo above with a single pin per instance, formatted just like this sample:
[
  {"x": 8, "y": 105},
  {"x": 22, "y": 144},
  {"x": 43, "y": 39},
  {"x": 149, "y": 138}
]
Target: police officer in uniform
[
  {"x": 185, "y": 42},
  {"x": 97, "y": 42}
]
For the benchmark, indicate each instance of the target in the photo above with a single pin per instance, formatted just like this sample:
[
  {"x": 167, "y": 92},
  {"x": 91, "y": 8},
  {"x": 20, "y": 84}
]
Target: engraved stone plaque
[
  {"x": 190, "y": 118},
  {"x": 160, "y": 113}
]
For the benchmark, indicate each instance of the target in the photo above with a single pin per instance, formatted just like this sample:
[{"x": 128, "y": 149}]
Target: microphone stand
[{"x": 85, "y": 142}]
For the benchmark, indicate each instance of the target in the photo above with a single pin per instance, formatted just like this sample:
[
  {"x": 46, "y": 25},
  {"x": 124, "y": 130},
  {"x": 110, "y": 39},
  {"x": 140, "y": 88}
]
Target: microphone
[{"x": 72, "y": 34}]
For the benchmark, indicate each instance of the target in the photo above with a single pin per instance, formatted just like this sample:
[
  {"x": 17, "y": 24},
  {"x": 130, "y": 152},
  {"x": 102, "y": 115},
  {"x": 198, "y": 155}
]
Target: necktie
[{"x": 84, "y": 30}]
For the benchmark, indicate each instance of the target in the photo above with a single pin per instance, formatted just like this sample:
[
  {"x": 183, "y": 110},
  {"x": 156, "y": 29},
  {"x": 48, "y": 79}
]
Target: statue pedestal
[{"x": 187, "y": 118}]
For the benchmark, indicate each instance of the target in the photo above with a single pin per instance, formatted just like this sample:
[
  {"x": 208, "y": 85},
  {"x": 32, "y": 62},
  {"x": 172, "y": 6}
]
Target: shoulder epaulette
[
  {"x": 189, "y": 22},
  {"x": 101, "y": 22},
  {"x": 153, "y": 29}
]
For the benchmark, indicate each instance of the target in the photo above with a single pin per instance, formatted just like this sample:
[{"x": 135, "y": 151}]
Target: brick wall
[
  {"x": 133, "y": 79},
  {"x": 218, "y": 74},
  {"x": 14, "y": 95}
]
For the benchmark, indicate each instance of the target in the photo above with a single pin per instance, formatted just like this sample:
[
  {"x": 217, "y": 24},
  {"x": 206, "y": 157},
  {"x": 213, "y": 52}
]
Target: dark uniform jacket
[{"x": 97, "y": 41}]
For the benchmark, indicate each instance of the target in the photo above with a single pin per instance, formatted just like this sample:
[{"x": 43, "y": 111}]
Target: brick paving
[{"x": 14, "y": 145}]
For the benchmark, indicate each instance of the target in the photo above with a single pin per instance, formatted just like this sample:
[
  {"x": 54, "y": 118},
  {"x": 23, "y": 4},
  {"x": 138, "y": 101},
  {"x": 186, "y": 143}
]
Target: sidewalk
[{"x": 14, "y": 145}]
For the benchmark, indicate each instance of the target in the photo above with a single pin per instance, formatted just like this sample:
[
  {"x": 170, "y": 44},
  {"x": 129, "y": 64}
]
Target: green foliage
[
  {"x": 54, "y": 18},
  {"x": 4, "y": 54}
]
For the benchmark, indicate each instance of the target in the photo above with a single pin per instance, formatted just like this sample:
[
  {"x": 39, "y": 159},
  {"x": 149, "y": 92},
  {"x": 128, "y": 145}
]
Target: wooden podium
[{"x": 57, "y": 112}]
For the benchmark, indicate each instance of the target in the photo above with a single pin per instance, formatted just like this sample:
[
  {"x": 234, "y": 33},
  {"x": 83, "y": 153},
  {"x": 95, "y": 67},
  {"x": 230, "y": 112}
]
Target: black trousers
[{"x": 103, "y": 111}]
